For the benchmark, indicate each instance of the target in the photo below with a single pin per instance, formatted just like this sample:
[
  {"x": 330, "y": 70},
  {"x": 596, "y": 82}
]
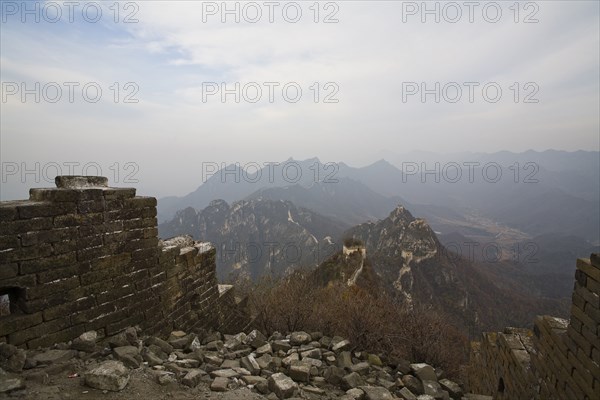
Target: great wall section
[
  {"x": 86, "y": 257},
  {"x": 558, "y": 359}
]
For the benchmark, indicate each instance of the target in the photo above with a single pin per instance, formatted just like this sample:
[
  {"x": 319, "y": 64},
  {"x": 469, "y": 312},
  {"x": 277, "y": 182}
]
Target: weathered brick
[
  {"x": 90, "y": 241},
  {"x": 583, "y": 317},
  {"x": 66, "y": 246},
  {"x": 45, "y": 328},
  {"x": 588, "y": 296},
  {"x": 18, "y": 322},
  {"x": 27, "y": 225},
  {"x": 54, "y": 195},
  {"x": 52, "y": 287},
  {"x": 42, "y": 264},
  {"x": 140, "y": 202},
  {"x": 57, "y": 337},
  {"x": 90, "y": 314},
  {"x": 25, "y": 253},
  {"x": 96, "y": 275},
  {"x": 9, "y": 242},
  {"x": 118, "y": 326},
  {"x": 585, "y": 266},
  {"x": 35, "y": 209},
  {"x": 57, "y": 273},
  {"x": 91, "y": 206},
  {"x": 8, "y": 211},
  {"x": 118, "y": 193},
  {"x": 103, "y": 321},
  {"x": 115, "y": 293},
  {"x": 69, "y": 308},
  {"x": 61, "y": 221},
  {"x": 95, "y": 252},
  {"x": 8, "y": 270},
  {"x": 48, "y": 236}
]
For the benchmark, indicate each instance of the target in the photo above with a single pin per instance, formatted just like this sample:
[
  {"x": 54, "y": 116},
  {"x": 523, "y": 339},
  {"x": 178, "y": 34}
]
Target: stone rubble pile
[{"x": 279, "y": 367}]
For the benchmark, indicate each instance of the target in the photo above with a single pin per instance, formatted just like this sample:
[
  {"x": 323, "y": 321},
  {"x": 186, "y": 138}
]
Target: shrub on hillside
[{"x": 371, "y": 321}]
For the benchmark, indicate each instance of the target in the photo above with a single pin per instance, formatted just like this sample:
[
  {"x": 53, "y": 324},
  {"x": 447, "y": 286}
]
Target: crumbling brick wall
[
  {"x": 84, "y": 256},
  {"x": 559, "y": 359}
]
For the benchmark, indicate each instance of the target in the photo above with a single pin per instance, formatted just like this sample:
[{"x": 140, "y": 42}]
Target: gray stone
[
  {"x": 264, "y": 349},
  {"x": 312, "y": 353},
  {"x": 281, "y": 345},
  {"x": 433, "y": 389},
  {"x": 376, "y": 393},
  {"x": 86, "y": 342},
  {"x": 129, "y": 356},
  {"x": 452, "y": 388},
  {"x": 287, "y": 361},
  {"x": 341, "y": 345},
  {"x": 413, "y": 384},
  {"x": 8, "y": 385},
  {"x": 54, "y": 356},
  {"x": 215, "y": 345},
  {"x": 250, "y": 363},
  {"x": 351, "y": 381},
  {"x": 213, "y": 359},
  {"x": 300, "y": 371},
  {"x": 188, "y": 363},
  {"x": 230, "y": 364},
  {"x": 78, "y": 181},
  {"x": 334, "y": 375},
  {"x": 361, "y": 368},
  {"x": 118, "y": 340},
  {"x": 424, "y": 372},
  {"x": 109, "y": 375},
  {"x": 425, "y": 397},
  {"x": 403, "y": 367},
  {"x": 282, "y": 385},
  {"x": 265, "y": 361},
  {"x": 406, "y": 394},
  {"x": 356, "y": 394},
  {"x": 16, "y": 362},
  {"x": 151, "y": 358},
  {"x": 255, "y": 339},
  {"x": 7, "y": 350},
  {"x": 299, "y": 338},
  {"x": 344, "y": 359},
  {"x": 253, "y": 380},
  {"x": 235, "y": 342},
  {"x": 219, "y": 384},
  {"x": 193, "y": 378},
  {"x": 164, "y": 346},
  {"x": 224, "y": 373}
]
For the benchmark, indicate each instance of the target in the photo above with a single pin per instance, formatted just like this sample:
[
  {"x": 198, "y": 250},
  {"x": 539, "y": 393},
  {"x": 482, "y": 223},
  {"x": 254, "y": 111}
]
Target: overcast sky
[{"x": 370, "y": 59}]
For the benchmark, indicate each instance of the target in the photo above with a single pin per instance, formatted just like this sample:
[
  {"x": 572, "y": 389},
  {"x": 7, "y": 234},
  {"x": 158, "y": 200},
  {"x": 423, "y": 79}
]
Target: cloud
[{"x": 170, "y": 54}]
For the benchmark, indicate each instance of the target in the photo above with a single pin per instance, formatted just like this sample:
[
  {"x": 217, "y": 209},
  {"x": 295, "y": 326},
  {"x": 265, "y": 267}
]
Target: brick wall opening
[
  {"x": 501, "y": 385},
  {"x": 9, "y": 300}
]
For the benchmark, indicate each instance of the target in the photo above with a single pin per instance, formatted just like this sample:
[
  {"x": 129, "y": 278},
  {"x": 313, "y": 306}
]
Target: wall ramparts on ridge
[{"x": 559, "y": 359}]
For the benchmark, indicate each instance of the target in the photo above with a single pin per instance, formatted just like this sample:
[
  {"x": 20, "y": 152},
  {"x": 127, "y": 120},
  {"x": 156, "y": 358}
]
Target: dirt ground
[{"x": 140, "y": 386}]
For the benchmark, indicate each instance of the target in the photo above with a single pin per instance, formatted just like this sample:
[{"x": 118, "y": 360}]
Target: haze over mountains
[{"x": 495, "y": 227}]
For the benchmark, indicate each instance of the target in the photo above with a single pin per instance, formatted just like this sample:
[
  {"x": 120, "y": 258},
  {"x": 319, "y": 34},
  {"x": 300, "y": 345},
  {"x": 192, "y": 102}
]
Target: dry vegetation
[{"x": 373, "y": 322}]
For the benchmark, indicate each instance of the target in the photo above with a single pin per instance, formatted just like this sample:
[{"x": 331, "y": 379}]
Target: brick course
[{"x": 74, "y": 259}]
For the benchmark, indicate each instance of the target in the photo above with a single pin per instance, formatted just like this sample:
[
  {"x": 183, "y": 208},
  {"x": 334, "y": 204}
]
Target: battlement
[
  {"x": 559, "y": 359},
  {"x": 84, "y": 256}
]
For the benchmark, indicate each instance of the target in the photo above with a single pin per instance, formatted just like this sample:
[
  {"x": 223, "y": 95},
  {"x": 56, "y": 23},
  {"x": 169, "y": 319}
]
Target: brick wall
[
  {"x": 559, "y": 359},
  {"x": 84, "y": 256}
]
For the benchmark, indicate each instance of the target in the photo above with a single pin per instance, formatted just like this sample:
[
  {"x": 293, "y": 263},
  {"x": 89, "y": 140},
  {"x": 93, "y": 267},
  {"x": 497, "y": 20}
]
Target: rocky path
[{"x": 215, "y": 366}]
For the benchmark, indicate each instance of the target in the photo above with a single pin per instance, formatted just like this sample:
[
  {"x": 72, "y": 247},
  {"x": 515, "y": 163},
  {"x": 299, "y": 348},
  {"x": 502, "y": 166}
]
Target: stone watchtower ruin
[{"x": 84, "y": 256}]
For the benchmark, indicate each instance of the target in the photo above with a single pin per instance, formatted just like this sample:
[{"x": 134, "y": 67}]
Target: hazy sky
[{"x": 372, "y": 59}]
